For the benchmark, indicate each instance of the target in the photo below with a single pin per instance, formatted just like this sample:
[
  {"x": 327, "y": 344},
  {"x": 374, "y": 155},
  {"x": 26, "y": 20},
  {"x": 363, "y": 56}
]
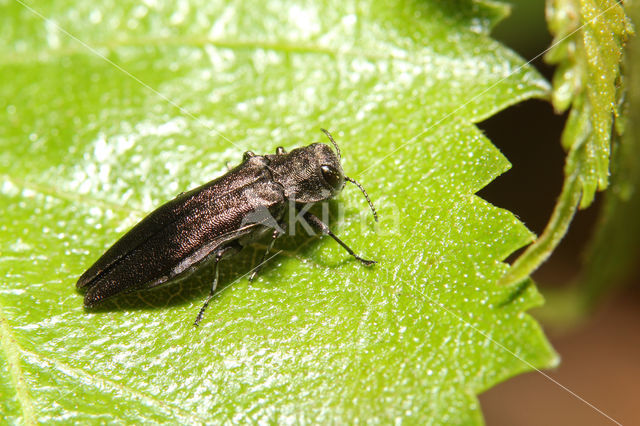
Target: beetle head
[
  {"x": 330, "y": 168},
  {"x": 312, "y": 173},
  {"x": 309, "y": 174}
]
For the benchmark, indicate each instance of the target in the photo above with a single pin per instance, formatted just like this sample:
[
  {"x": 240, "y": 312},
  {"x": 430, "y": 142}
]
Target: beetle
[{"x": 219, "y": 218}]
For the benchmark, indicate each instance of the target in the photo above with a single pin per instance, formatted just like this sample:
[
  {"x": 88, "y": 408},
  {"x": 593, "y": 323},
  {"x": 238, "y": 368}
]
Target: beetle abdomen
[{"x": 182, "y": 234}]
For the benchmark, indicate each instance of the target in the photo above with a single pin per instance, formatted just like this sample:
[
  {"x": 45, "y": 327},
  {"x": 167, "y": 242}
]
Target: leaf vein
[
  {"x": 69, "y": 196},
  {"x": 12, "y": 350},
  {"x": 95, "y": 380}
]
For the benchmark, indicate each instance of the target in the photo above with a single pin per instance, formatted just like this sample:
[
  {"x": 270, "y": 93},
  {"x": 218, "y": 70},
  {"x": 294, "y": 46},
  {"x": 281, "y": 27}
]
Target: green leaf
[
  {"x": 614, "y": 248},
  {"x": 588, "y": 45},
  {"x": 90, "y": 144}
]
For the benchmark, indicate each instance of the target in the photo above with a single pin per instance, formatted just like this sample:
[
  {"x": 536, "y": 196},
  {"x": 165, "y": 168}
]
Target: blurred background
[{"x": 600, "y": 351}]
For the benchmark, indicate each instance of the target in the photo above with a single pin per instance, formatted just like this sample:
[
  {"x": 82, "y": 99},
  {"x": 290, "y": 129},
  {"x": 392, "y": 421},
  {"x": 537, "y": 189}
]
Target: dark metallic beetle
[{"x": 218, "y": 219}]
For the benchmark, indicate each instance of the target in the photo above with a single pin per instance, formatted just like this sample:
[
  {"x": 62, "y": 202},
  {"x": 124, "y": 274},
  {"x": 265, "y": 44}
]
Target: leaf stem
[{"x": 555, "y": 230}]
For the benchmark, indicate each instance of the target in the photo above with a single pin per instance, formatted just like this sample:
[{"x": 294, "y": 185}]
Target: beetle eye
[{"x": 332, "y": 177}]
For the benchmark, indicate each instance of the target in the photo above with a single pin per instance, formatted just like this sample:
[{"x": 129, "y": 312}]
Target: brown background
[{"x": 601, "y": 355}]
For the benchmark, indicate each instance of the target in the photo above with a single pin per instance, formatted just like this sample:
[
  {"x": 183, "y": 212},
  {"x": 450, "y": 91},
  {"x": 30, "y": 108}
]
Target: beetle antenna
[
  {"x": 373, "y": 209},
  {"x": 326, "y": 132},
  {"x": 353, "y": 181}
]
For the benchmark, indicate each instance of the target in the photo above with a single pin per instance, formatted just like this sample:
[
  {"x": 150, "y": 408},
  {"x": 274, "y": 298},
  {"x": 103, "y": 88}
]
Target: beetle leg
[
  {"x": 317, "y": 223},
  {"x": 274, "y": 236},
  {"x": 280, "y": 151},
  {"x": 218, "y": 257},
  {"x": 247, "y": 155}
]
